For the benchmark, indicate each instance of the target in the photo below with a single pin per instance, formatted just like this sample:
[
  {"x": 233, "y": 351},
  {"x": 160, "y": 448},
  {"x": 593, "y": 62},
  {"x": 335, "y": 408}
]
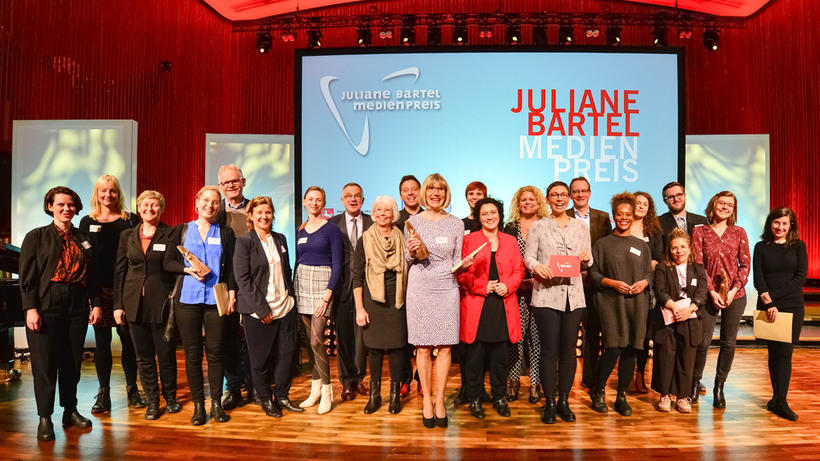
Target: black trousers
[
  {"x": 729, "y": 324},
  {"x": 271, "y": 347},
  {"x": 558, "y": 333},
  {"x": 190, "y": 320},
  {"x": 674, "y": 359},
  {"x": 151, "y": 350},
  {"x": 480, "y": 356},
  {"x": 625, "y": 358},
  {"x": 395, "y": 358},
  {"x": 103, "y": 359},
  {"x": 57, "y": 349},
  {"x": 237, "y": 358},
  {"x": 592, "y": 347},
  {"x": 350, "y": 350},
  {"x": 780, "y": 357}
]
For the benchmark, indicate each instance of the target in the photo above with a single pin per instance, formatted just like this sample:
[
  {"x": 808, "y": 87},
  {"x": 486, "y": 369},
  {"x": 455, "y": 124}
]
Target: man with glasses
[
  {"x": 350, "y": 351},
  {"x": 599, "y": 226},
  {"x": 237, "y": 361},
  {"x": 674, "y": 195}
]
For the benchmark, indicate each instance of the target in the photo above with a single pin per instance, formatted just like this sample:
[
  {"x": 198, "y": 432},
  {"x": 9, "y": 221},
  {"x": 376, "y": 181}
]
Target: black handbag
[{"x": 168, "y": 307}]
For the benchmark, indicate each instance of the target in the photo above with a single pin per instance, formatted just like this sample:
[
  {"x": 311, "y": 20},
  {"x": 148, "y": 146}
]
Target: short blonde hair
[
  {"x": 390, "y": 202},
  {"x": 433, "y": 180},
  {"x": 96, "y": 208},
  {"x": 213, "y": 189},
  {"x": 152, "y": 194},
  {"x": 230, "y": 166},
  {"x": 515, "y": 210}
]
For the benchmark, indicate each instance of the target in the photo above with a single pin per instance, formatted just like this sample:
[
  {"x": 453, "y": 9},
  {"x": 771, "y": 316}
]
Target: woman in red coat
[{"x": 490, "y": 319}]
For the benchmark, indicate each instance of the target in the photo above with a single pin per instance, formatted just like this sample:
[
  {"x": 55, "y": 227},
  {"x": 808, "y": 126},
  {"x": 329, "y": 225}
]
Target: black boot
[
  {"x": 135, "y": 398},
  {"x": 375, "y": 401},
  {"x": 501, "y": 407},
  {"x": 45, "y": 430},
  {"x": 548, "y": 415},
  {"x": 271, "y": 408},
  {"x": 232, "y": 399},
  {"x": 286, "y": 404},
  {"x": 103, "y": 402},
  {"x": 395, "y": 397},
  {"x": 172, "y": 405},
  {"x": 781, "y": 408},
  {"x": 598, "y": 397},
  {"x": 693, "y": 397},
  {"x": 72, "y": 418},
  {"x": 476, "y": 409},
  {"x": 199, "y": 418},
  {"x": 152, "y": 412},
  {"x": 719, "y": 400},
  {"x": 217, "y": 412},
  {"x": 563, "y": 408},
  {"x": 621, "y": 406}
]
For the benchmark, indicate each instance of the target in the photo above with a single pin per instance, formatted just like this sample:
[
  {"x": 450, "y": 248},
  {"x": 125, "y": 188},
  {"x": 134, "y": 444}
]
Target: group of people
[{"x": 416, "y": 282}]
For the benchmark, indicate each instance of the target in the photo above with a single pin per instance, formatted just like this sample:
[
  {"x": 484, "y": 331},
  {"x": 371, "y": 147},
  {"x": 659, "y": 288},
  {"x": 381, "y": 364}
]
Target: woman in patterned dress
[{"x": 432, "y": 292}]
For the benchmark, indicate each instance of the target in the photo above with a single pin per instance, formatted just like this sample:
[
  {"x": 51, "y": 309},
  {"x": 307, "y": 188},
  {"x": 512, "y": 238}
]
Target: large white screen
[{"x": 371, "y": 118}]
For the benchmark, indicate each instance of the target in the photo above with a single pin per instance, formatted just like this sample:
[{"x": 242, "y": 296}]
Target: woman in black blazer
[
  {"x": 680, "y": 292},
  {"x": 195, "y": 304},
  {"x": 141, "y": 287},
  {"x": 265, "y": 301},
  {"x": 56, "y": 288}
]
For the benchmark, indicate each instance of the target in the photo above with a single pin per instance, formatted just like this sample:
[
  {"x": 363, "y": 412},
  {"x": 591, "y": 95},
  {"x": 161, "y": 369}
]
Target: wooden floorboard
[{"x": 744, "y": 430}]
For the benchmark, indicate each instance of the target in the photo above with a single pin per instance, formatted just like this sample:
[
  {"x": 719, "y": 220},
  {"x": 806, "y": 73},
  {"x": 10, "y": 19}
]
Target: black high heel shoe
[{"x": 440, "y": 422}]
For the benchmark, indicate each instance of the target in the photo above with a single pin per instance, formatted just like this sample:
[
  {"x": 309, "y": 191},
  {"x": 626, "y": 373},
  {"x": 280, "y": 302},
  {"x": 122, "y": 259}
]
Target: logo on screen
[{"x": 381, "y": 100}]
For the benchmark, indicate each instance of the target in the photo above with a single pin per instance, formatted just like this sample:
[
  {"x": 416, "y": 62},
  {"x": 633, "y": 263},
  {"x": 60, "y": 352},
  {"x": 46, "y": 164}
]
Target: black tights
[
  {"x": 780, "y": 367},
  {"x": 626, "y": 366},
  {"x": 103, "y": 360},
  {"x": 395, "y": 357}
]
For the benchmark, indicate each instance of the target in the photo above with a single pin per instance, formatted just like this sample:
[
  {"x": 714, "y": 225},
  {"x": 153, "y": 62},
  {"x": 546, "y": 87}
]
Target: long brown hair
[
  {"x": 651, "y": 224},
  {"x": 324, "y": 200},
  {"x": 710, "y": 208},
  {"x": 792, "y": 236}
]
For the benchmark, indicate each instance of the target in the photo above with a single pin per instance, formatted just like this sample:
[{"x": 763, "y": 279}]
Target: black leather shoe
[
  {"x": 548, "y": 415},
  {"x": 512, "y": 390},
  {"x": 782, "y": 409},
  {"x": 719, "y": 400},
  {"x": 701, "y": 388},
  {"x": 102, "y": 403},
  {"x": 395, "y": 398},
  {"x": 771, "y": 404},
  {"x": 563, "y": 408},
  {"x": 135, "y": 398},
  {"x": 501, "y": 407},
  {"x": 621, "y": 406},
  {"x": 693, "y": 397},
  {"x": 270, "y": 408},
  {"x": 535, "y": 395},
  {"x": 199, "y": 418},
  {"x": 252, "y": 397},
  {"x": 348, "y": 392},
  {"x": 461, "y": 398},
  {"x": 75, "y": 419},
  {"x": 441, "y": 422},
  {"x": 598, "y": 397},
  {"x": 45, "y": 430},
  {"x": 172, "y": 406},
  {"x": 476, "y": 409},
  {"x": 429, "y": 423},
  {"x": 218, "y": 413},
  {"x": 152, "y": 412},
  {"x": 286, "y": 404},
  {"x": 232, "y": 399},
  {"x": 375, "y": 400}
]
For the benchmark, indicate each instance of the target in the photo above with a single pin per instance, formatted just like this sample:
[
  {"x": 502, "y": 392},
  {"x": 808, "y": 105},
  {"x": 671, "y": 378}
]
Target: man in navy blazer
[
  {"x": 674, "y": 195},
  {"x": 349, "y": 340}
]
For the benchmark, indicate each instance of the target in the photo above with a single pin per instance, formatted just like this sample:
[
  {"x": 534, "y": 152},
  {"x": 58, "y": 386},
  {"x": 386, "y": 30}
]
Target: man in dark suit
[
  {"x": 599, "y": 226},
  {"x": 349, "y": 339},
  {"x": 409, "y": 187},
  {"x": 674, "y": 195}
]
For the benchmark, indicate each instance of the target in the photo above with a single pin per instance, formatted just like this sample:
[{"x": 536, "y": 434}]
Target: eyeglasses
[
  {"x": 557, "y": 196},
  {"x": 231, "y": 182},
  {"x": 674, "y": 198},
  {"x": 729, "y": 205}
]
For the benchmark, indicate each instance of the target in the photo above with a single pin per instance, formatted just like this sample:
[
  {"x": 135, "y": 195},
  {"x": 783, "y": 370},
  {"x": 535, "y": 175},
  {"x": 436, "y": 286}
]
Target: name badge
[
  {"x": 466, "y": 232},
  {"x": 441, "y": 240},
  {"x": 214, "y": 241},
  {"x": 94, "y": 228},
  {"x": 694, "y": 282},
  {"x": 85, "y": 244},
  {"x": 159, "y": 247},
  {"x": 635, "y": 251},
  {"x": 301, "y": 240},
  {"x": 696, "y": 226}
]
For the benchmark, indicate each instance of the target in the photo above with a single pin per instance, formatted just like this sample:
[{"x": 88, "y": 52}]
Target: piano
[{"x": 11, "y": 309}]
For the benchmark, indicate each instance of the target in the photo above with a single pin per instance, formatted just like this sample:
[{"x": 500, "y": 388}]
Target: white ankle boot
[
  {"x": 315, "y": 393},
  {"x": 327, "y": 399}
]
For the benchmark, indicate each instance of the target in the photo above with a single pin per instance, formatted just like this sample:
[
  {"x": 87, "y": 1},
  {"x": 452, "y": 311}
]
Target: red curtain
[{"x": 87, "y": 59}]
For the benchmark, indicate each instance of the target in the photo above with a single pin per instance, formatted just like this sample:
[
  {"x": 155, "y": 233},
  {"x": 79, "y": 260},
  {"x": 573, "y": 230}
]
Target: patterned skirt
[{"x": 310, "y": 284}]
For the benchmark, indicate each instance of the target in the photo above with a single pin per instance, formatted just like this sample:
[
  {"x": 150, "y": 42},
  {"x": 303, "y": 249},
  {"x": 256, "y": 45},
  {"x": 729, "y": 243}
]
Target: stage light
[
  {"x": 711, "y": 40},
  {"x": 659, "y": 38},
  {"x": 565, "y": 35},
  {"x": 513, "y": 34},
  {"x": 314, "y": 38},
  {"x": 484, "y": 30},
  {"x": 613, "y": 36},
  {"x": 365, "y": 36},
  {"x": 287, "y": 36},
  {"x": 434, "y": 35},
  {"x": 264, "y": 42},
  {"x": 592, "y": 32},
  {"x": 408, "y": 32},
  {"x": 539, "y": 35},
  {"x": 460, "y": 34},
  {"x": 385, "y": 33},
  {"x": 684, "y": 33}
]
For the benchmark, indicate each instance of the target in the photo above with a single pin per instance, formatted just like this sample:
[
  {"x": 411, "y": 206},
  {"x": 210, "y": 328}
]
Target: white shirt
[
  {"x": 349, "y": 223},
  {"x": 582, "y": 217},
  {"x": 277, "y": 294}
]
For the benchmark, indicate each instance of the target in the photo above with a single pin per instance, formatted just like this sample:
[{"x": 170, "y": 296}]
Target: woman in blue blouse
[
  {"x": 319, "y": 262},
  {"x": 213, "y": 245}
]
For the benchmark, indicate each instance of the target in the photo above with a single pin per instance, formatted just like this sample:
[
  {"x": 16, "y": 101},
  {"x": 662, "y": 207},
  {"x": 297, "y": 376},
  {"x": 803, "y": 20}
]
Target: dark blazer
[
  {"x": 668, "y": 224},
  {"x": 39, "y": 255},
  {"x": 135, "y": 270},
  {"x": 175, "y": 263},
  {"x": 252, "y": 272},
  {"x": 599, "y": 223},
  {"x": 666, "y": 286},
  {"x": 345, "y": 286}
]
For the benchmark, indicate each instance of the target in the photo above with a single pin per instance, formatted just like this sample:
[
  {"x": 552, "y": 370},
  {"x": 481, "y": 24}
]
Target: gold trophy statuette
[
  {"x": 723, "y": 290},
  {"x": 422, "y": 252},
  {"x": 195, "y": 263}
]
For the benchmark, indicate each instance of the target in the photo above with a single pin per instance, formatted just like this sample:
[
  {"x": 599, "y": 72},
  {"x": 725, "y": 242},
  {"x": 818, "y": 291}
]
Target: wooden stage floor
[{"x": 745, "y": 429}]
